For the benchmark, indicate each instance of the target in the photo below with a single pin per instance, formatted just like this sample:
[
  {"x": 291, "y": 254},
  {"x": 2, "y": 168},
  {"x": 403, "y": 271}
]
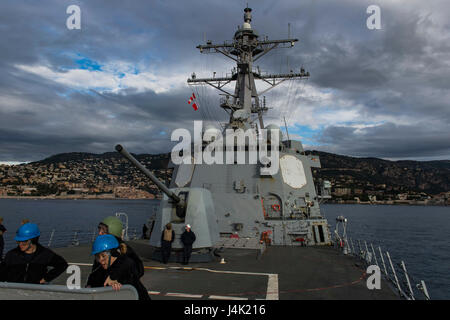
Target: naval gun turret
[{"x": 181, "y": 206}]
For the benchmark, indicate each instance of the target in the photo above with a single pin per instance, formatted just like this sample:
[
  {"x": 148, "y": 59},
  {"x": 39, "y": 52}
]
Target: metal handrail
[
  {"x": 368, "y": 257},
  {"x": 26, "y": 291},
  {"x": 55, "y": 239}
]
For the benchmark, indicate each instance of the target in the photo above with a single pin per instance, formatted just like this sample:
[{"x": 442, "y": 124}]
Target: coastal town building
[{"x": 109, "y": 176}]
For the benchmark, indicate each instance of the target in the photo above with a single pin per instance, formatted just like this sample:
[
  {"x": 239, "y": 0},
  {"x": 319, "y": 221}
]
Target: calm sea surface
[
  {"x": 417, "y": 235},
  {"x": 68, "y": 216}
]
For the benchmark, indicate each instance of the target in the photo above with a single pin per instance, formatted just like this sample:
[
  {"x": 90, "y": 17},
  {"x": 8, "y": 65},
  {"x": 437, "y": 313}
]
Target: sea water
[{"x": 418, "y": 235}]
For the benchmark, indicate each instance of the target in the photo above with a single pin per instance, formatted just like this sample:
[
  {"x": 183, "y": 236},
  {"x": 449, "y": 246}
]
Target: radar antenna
[{"x": 245, "y": 49}]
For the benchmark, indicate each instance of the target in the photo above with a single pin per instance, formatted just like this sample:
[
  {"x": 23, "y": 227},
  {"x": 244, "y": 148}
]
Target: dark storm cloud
[
  {"x": 388, "y": 141},
  {"x": 44, "y": 119},
  {"x": 43, "y": 125},
  {"x": 399, "y": 74}
]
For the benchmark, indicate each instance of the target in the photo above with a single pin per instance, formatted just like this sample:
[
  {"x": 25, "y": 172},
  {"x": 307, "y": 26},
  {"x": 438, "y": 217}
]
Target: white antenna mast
[{"x": 285, "y": 125}]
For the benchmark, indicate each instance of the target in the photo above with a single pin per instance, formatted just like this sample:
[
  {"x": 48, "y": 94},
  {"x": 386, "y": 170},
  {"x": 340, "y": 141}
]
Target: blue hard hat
[
  {"x": 27, "y": 231},
  {"x": 103, "y": 243}
]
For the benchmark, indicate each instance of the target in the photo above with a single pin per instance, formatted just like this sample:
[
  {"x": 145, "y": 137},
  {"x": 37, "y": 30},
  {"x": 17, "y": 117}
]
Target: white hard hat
[{"x": 188, "y": 226}]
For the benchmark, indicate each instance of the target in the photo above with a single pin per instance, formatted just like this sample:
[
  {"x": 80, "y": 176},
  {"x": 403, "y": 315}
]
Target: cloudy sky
[{"x": 121, "y": 78}]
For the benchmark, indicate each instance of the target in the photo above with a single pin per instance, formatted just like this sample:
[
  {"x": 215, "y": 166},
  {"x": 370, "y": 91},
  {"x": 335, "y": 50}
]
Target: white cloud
[
  {"x": 75, "y": 78},
  {"x": 114, "y": 77},
  {"x": 314, "y": 107},
  {"x": 10, "y": 163},
  {"x": 150, "y": 81}
]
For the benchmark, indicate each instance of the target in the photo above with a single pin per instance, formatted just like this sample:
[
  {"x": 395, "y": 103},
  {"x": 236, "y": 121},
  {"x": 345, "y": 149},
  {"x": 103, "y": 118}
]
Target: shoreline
[
  {"x": 73, "y": 198},
  {"x": 392, "y": 203}
]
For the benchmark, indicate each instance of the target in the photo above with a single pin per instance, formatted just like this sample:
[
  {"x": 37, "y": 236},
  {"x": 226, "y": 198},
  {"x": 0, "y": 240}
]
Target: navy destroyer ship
[{"x": 260, "y": 230}]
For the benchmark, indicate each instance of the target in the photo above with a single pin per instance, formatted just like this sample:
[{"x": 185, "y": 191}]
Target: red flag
[{"x": 194, "y": 105}]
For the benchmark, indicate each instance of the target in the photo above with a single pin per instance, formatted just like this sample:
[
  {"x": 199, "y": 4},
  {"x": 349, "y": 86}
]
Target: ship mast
[{"x": 245, "y": 49}]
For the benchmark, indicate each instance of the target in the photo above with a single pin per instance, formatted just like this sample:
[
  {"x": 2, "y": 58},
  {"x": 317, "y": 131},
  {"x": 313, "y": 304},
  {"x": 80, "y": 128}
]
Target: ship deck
[{"x": 280, "y": 273}]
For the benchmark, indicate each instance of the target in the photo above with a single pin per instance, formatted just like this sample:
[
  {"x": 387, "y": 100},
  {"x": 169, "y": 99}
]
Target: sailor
[
  {"x": 114, "y": 268},
  {"x": 113, "y": 225},
  {"x": 144, "y": 231},
  {"x": 187, "y": 238},
  {"x": 29, "y": 262},
  {"x": 2, "y": 242},
  {"x": 167, "y": 237}
]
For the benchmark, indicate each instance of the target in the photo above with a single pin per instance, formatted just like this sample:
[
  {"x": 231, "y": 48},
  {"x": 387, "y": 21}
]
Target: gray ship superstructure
[{"x": 238, "y": 197}]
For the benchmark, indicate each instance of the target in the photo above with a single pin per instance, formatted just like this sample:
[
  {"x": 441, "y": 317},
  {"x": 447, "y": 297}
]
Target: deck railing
[
  {"x": 394, "y": 272},
  {"x": 54, "y": 238}
]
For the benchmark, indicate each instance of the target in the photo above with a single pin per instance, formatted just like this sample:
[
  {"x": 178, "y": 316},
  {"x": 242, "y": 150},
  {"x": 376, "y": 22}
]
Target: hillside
[
  {"x": 430, "y": 177},
  {"x": 109, "y": 173}
]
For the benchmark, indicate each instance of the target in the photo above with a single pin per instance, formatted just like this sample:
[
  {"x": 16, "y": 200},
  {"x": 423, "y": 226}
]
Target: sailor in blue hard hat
[
  {"x": 29, "y": 262},
  {"x": 112, "y": 225},
  {"x": 103, "y": 249},
  {"x": 27, "y": 236},
  {"x": 115, "y": 268}
]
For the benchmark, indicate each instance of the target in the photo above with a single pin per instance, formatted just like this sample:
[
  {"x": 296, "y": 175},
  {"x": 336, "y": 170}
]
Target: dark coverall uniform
[
  {"x": 130, "y": 254},
  {"x": 187, "y": 238},
  {"x": 166, "y": 247},
  {"x": 2, "y": 242},
  {"x": 31, "y": 268},
  {"x": 122, "y": 270}
]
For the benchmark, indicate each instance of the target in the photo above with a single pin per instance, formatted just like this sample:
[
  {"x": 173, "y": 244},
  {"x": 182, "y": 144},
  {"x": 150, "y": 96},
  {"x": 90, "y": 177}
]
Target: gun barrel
[{"x": 144, "y": 170}]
